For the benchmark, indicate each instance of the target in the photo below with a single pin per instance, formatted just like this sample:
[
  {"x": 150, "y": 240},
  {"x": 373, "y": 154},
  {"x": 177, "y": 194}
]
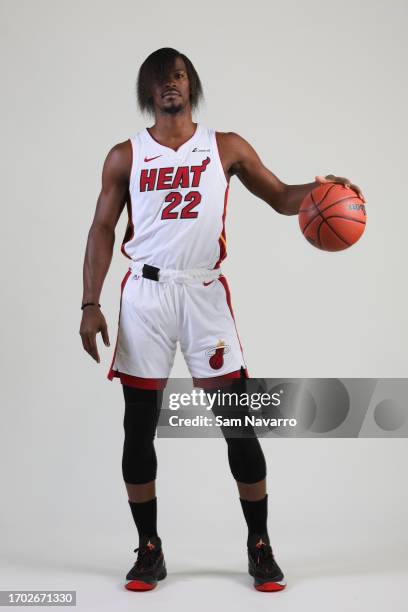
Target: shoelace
[{"x": 145, "y": 557}]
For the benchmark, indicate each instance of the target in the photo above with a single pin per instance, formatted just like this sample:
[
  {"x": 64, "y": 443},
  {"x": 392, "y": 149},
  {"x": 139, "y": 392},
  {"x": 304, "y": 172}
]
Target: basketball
[{"x": 332, "y": 217}]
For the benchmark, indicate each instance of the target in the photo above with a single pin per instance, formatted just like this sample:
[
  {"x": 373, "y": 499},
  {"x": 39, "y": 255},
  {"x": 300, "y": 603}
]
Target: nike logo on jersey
[
  {"x": 147, "y": 159},
  {"x": 197, "y": 150}
]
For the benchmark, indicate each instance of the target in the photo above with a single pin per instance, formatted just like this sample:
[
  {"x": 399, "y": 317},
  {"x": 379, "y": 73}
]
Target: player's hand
[
  {"x": 93, "y": 322},
  {"x": 341, "y": 180}
]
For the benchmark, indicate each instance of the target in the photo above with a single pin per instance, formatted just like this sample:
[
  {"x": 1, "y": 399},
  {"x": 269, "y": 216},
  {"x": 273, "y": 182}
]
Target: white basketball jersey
[{"x": 177, "y": 203}]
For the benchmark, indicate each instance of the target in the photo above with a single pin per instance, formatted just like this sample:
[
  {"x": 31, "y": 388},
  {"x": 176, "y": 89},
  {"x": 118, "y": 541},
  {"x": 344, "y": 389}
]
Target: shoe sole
[
  {"x": 268, "y": 586},
  {"x": 144, "y": 585}
]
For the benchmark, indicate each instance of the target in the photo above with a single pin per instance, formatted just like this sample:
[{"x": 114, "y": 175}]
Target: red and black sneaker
[
  {"x": 149, "y": 566},
  {"x": 262, "y": 565}
]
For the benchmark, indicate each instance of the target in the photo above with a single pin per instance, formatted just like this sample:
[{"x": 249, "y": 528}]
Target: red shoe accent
[
  {"x": 139, "y": 585},
  {"x": 270, "y": 587}
]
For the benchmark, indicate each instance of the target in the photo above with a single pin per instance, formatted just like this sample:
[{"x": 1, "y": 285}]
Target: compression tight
[
  {"x": 142, "y": 410},
  {"x": 245, "y": 456}
]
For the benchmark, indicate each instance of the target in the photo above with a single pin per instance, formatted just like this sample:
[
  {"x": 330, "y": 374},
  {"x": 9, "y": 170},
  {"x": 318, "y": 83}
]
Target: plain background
[{"x": 316, "y": 87}]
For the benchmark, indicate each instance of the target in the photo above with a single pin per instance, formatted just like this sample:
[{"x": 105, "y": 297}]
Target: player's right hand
[{"x": 93, "y": 322}]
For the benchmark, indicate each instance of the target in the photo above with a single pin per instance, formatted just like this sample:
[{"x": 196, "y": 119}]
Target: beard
[{"x": 173, "y": 109}]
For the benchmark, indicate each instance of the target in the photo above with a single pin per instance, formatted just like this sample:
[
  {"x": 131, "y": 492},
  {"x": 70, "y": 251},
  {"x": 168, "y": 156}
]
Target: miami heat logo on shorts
[{"x": 216, "y": 354}]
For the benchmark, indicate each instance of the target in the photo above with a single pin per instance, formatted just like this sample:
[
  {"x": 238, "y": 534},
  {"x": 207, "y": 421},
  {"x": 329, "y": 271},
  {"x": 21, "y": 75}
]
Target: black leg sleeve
[{"x": 142, "y": 410}]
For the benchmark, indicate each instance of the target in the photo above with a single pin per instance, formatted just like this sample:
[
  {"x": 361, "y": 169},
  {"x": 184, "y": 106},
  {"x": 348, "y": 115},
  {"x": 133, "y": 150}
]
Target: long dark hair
[{"x": 155, "y": 69}]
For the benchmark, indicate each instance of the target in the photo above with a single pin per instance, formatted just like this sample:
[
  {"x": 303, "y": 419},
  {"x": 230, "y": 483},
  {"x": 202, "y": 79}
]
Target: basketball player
[{"x": 174, "y": 179}]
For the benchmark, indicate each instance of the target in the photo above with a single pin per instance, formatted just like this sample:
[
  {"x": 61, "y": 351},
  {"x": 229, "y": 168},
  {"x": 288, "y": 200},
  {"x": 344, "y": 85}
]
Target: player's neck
[{"x": 173, "y": 128}]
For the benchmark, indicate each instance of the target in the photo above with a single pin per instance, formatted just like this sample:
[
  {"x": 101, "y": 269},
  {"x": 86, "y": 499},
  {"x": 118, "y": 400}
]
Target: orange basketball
[{"x": 332, "y": 217}]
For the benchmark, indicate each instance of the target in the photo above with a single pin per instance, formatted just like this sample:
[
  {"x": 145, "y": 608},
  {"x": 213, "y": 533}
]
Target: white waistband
[{"x": 179, "y": 276}]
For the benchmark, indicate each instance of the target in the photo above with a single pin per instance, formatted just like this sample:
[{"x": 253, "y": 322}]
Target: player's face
[{"x": 173, "y": 95}]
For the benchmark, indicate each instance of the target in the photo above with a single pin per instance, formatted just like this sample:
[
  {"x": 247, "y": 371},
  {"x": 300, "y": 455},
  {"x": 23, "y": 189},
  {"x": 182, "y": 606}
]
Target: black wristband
[{"x": 89, "y": 304}]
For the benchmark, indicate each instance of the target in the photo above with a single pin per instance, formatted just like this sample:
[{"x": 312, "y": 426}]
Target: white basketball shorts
[{"x": 155, "y": 315}]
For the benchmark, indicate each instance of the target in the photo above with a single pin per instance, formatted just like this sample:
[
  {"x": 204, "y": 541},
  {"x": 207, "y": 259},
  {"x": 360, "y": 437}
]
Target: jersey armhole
[
  {"x": 134, "y": 141},
  {"x": 218, "y": 158}
]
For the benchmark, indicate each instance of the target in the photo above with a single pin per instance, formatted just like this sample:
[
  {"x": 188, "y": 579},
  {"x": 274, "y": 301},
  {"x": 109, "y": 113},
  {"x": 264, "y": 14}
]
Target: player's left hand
[{"x": 341, "y": 180}]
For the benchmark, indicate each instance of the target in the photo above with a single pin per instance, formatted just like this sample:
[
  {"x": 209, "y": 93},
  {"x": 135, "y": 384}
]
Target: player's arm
[
  {"x": 259, "y": 180},
  {"x": 101, "y": 239}
]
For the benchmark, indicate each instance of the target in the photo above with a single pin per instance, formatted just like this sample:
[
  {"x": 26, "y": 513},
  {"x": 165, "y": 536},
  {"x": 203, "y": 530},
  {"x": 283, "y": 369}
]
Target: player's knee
[
  {"x": 139, "y": 463},
  {"x": 245, "y": 455},
  {"x": 246, "y": 459}
]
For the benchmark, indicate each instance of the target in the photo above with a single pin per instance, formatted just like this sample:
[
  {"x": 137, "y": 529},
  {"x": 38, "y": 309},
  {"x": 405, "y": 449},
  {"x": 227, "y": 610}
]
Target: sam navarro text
[{"x": 205, "y": 421}]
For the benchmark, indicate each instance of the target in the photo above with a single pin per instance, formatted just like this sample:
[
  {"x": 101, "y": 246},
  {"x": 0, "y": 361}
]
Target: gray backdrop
[{"x": 316, "y": 87}]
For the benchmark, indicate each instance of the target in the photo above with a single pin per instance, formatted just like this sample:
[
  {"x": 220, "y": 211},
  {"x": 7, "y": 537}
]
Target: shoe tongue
[{"x": 257, "y": 538}]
